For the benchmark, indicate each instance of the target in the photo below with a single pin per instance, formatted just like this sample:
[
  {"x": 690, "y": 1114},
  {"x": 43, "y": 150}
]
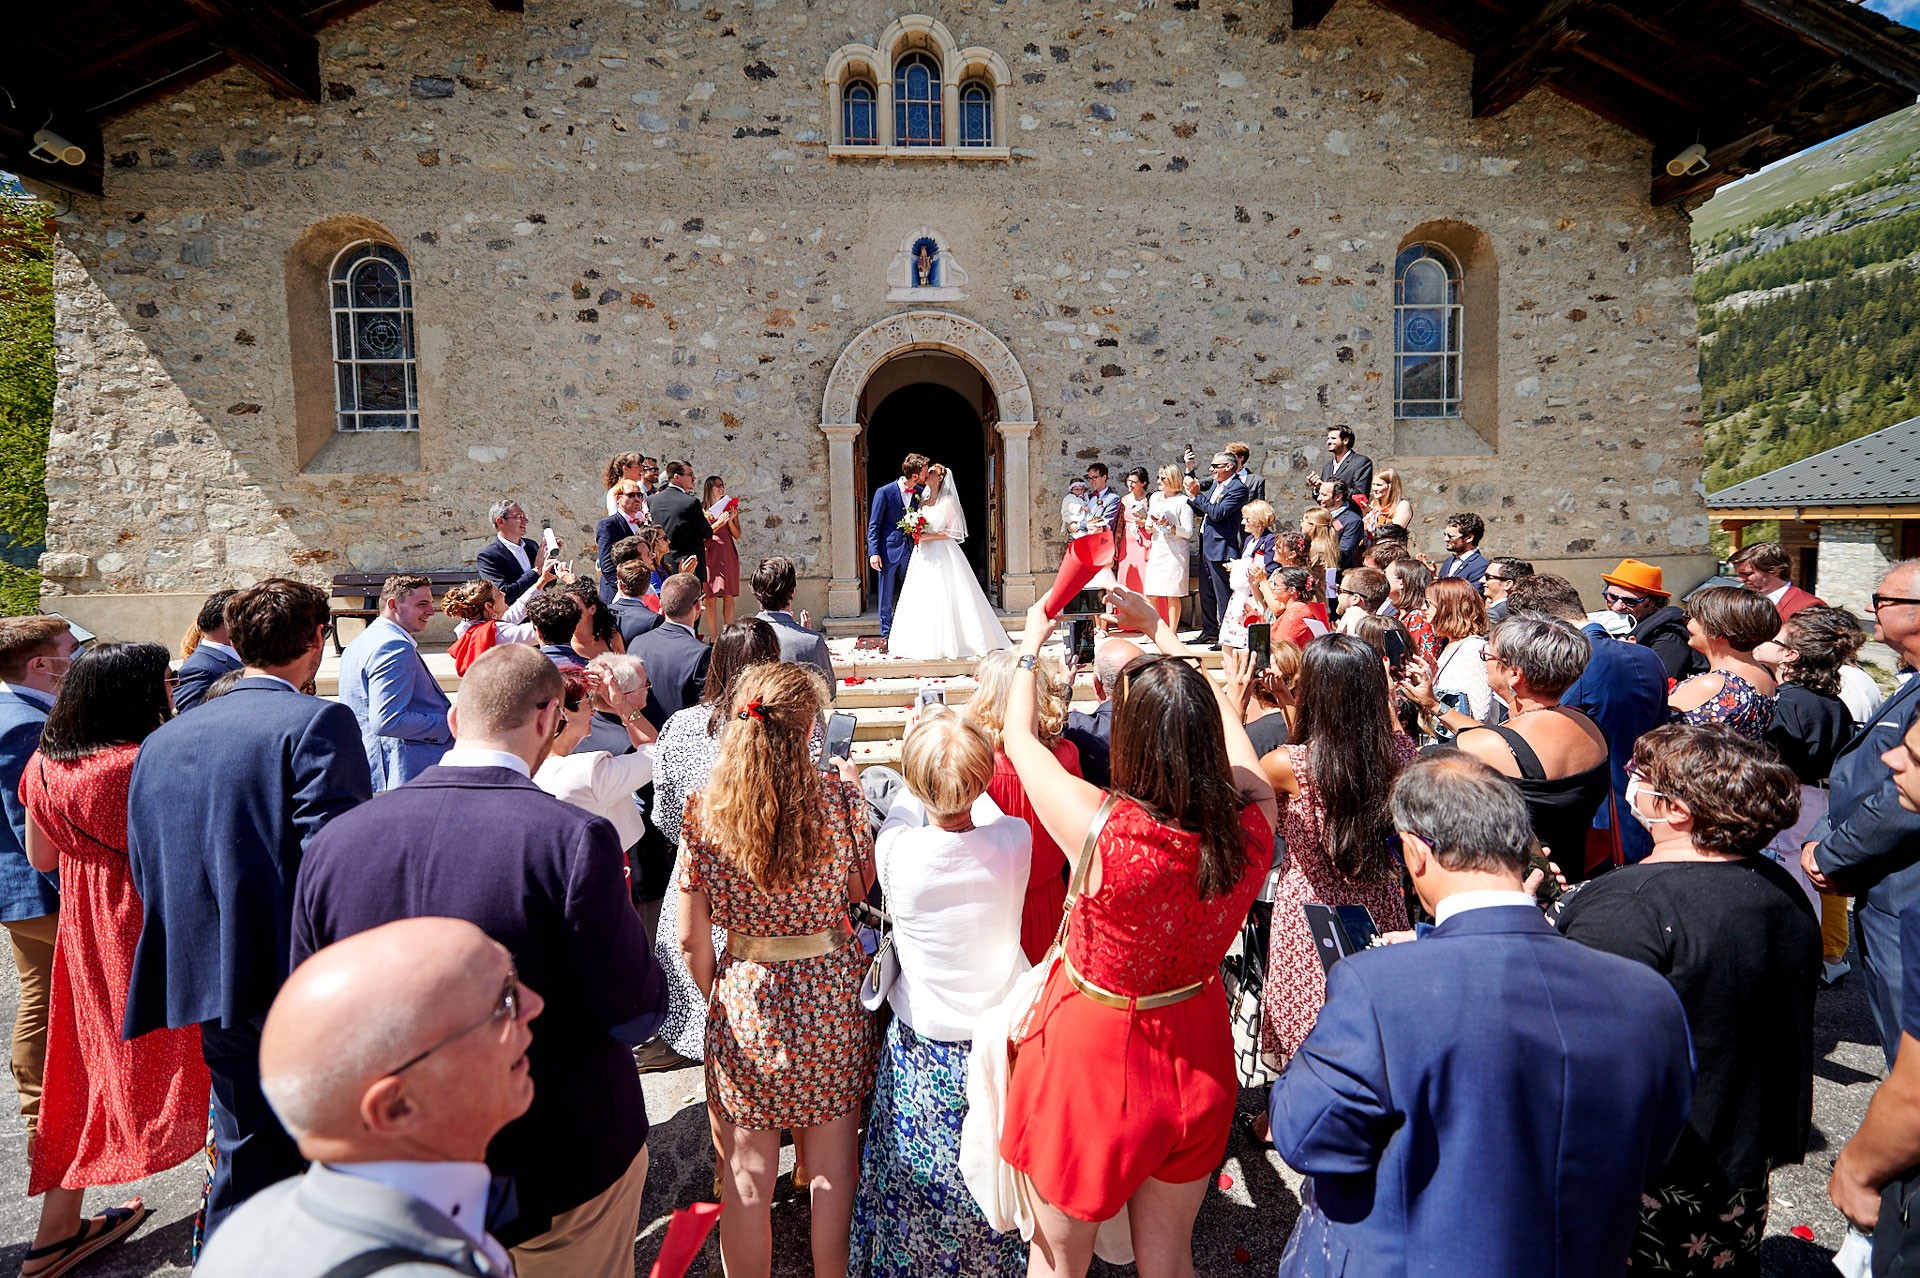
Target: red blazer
[{"x": 1794, "y": 600}]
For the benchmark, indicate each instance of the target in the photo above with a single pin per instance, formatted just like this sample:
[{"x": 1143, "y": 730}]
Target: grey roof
[{"x": 1881, "y": 469}]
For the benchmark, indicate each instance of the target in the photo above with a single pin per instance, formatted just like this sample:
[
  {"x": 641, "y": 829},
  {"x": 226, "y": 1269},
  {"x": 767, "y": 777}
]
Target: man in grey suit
[
  {"x": 773, "y": 585},
  {"x": 394, "y": 1098},
  {"x": 402, "y": 712}
]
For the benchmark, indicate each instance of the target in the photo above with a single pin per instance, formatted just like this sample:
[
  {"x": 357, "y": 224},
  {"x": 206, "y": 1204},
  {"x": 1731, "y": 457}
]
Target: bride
[{"x": 941, "y": 612}]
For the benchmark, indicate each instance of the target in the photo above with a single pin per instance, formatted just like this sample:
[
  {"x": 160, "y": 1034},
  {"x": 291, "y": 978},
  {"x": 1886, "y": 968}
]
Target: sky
[{"x": 1907, "y": 11}]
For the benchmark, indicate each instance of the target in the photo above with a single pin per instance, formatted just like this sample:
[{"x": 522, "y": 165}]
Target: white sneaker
[{"x": 1832, "y": 972}]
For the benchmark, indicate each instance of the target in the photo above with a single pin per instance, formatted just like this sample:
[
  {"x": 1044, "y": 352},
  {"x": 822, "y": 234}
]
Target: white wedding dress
[{"x": 941, "y": 613}]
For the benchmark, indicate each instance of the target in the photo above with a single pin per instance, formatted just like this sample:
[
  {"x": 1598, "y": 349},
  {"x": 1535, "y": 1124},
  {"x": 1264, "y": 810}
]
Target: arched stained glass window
[
  {"x": 976, "y": 115},
  {"x": 1426, "y": 333},
  {"x": 917, "y": 102},
  {"x": 375, "y": 381},
  {"x": 860, "y": 115}
]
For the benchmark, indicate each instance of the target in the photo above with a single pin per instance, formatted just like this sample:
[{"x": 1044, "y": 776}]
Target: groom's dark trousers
[{"x": 894, "y": 547}]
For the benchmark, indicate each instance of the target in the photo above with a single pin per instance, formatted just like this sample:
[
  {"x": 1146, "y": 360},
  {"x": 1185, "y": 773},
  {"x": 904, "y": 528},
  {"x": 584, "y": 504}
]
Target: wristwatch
[
  {"x": 633, "y": 716},
  {"x": 1026, "y": 661}
]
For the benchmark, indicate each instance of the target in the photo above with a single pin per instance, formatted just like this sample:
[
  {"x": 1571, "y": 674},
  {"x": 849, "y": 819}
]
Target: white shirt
[
  {"x": 956, "y": 901},
  {"x": 475, "y": 757},
  {"x": 1860, "y": 694},
  {"x": 1777, "y": 595},
  {"x": 1461, "y": 902},
  {"x": 457, "y": 1191},
  {"x": 42, "y": 699},
  {"x": 519, "y": 551},
  {"x": 513, "y": 626},
  {"x": 221, "y": 648},
  {"x": 603, "y": 784}
]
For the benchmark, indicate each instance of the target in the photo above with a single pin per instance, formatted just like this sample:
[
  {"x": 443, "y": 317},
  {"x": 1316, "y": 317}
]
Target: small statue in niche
[{"x": 923, "y": 266}]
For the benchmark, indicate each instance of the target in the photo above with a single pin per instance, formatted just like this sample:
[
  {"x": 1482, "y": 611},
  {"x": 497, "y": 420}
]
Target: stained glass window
[
  {"x": 859, "y": 115},
  {"x": 1426, "y": 333},
  {"x": 976, "y": 115},
  {"x": 375, "y": 381},
  {"x": 917, "y": 102}
]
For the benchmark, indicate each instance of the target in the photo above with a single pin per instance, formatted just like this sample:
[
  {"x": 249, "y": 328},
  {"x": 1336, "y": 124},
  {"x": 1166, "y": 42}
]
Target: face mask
[{"x": 1634, "y": 790}]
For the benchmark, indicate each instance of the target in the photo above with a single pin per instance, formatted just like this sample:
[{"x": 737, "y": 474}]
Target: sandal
[{"x": 115, "y": 1224}]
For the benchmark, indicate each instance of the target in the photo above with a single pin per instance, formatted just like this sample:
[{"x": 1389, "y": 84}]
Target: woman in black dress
[{"x": 1738, "y": 941}]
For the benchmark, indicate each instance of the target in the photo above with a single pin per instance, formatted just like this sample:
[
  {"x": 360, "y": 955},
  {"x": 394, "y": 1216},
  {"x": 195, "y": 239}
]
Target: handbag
[{"x": 884, "y": 969}]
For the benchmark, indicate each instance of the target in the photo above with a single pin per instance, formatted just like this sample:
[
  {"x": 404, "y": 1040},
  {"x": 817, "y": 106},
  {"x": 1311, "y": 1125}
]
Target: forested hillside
[{"x": 1809, "y": 311}]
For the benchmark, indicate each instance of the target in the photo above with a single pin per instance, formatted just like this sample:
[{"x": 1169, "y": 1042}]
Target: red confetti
[
  {"x": 1226, "y": 1181},
  {"x": 1802, "y": 1232},
  {"x": 1242, "y": 1255}
]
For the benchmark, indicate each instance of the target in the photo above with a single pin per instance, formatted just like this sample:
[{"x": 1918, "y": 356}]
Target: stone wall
[
  {"x": 625, "y": 232},
  {"x": 1854, "y": 555}
]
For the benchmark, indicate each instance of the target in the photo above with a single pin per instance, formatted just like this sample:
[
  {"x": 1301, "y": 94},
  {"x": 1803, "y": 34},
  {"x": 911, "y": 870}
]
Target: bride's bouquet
[{"x": 913, "y": 523}]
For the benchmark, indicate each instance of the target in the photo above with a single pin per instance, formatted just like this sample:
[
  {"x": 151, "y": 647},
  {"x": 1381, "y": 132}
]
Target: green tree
[{"x": 26, "y": 387}]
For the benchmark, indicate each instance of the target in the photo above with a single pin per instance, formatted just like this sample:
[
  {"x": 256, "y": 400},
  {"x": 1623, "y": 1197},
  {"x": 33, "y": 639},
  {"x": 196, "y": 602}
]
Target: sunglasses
[
  {"x": 507, "y": 1009},
  {"x": 1631, "y": 601}
]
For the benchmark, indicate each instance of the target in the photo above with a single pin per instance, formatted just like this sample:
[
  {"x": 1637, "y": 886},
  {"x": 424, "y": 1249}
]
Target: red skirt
[{"x": 1101, "y": 1100}]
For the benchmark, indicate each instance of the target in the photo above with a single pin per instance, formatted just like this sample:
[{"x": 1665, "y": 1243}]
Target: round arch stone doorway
[{"x": 888, "y": 360}]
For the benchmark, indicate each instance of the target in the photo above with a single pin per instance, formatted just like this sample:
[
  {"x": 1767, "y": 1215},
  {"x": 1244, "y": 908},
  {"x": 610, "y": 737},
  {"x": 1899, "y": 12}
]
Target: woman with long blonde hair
[
  {"x": 773, "y": 851},
  {"x": 1387, "y": 503}
]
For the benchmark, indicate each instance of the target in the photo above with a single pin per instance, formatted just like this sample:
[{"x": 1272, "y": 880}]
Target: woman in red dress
[
  {"x": 1123, "y": 1091},
  {"x": 112, "y": 1111},
  {"x": 723, "y": 557},
  {"x": 1047, "y": 877}
]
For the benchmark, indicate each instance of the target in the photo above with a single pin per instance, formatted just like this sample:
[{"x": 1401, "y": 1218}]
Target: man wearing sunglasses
[
  {"x": 1635, "y": 591},
  {"x": 474, "y": 838},
  {"x": 1867, "y": 844},
  {"x": 395, "y": 1098}
]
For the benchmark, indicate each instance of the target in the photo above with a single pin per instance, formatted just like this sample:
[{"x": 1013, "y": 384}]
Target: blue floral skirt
[{"x": 912, "y": 1215}]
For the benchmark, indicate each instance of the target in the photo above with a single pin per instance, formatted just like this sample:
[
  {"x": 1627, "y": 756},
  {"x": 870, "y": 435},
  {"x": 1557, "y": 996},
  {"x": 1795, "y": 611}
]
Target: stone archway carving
[{"x": 873, "y": 346}]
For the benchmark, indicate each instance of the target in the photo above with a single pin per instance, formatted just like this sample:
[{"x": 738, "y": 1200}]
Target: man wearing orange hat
[{"x": 1634, "y": 590}]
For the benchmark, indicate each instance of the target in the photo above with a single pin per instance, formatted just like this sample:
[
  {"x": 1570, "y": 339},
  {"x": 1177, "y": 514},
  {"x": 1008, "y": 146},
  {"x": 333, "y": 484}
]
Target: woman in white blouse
[
  {"x": 953, "y": 869},
  {"x": 1459, "y": 616},
  {"x": 1170, "y": 520}
]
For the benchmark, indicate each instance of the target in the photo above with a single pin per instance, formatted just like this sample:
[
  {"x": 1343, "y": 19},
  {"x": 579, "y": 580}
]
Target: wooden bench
[{"x": 365, "y": 586}]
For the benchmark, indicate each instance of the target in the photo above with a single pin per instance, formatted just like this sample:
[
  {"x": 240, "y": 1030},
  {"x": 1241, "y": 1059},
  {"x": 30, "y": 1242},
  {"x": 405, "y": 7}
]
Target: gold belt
[
  {"x": 785, "y": 949},
  {"x": 1145, "y": 1002}
]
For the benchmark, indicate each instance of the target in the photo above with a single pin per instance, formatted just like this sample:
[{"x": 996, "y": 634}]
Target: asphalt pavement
[{"x": 1241, "y": 1229}]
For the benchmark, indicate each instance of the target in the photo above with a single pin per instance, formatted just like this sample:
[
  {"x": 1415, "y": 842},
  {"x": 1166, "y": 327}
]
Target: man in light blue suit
[
  {"x": 1489, "y": 1099},
  {"x": 402, "y": 712}
]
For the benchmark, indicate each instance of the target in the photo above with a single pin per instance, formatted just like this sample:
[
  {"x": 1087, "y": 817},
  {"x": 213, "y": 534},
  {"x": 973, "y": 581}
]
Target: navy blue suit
[
  {"x": 222, "y": 805},
  {"x": 548, "y": 881},
  {"x": 1472, "y": 566},
  {"x": 1351, "y": 527},
  {"x": 497, "y": 565},
  {"x": 1870, "y": 848},
  {"x": 1624, "y": 690},
  {"x": 25, "y": 893},
  {"x": 198, "y": 673},
  {"x": 894, "y": 547},
  {"x": 676, "y": 662},
  {"x": 1220, "y": 537},
  {"x": 610, "y": 530},
  {"x": 633, "y": 617},
  {"x": 1488, "y": 1100}
]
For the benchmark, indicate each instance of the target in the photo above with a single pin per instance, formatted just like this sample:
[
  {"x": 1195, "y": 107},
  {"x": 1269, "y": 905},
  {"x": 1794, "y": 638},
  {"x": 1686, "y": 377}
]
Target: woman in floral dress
[
  {"x": 774, "y": 852},
  {"x": 689, "y": 743},
  {"x": 1725, "y": 624}
]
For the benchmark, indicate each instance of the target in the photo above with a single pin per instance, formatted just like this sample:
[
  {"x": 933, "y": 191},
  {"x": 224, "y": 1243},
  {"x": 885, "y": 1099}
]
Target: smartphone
[
  {"x": 932, "y": 697},
  {"x": 1357, "y": 922},
  {"x": 1088, "y": 603},
  {"x": 1260, "y": 644},
  {"x": 1080, "y": 638},
  {"x": 839, "y": 743},
  {"x": 1396, "y": 653}
]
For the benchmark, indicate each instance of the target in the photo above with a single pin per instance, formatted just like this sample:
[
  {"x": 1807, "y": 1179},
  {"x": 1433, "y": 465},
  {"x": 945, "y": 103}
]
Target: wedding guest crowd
[{"x": 400, "y": 944}]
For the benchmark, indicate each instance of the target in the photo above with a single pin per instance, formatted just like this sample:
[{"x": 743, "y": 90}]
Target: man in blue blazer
[
  {"x": 222, "y": 805},
  {"x": 1490, "y": 1099},
  {"x": 624, "y": 522},
  {"x": 1463, "y": 533},
  {"x": 212, "y": 657},
  {"x": 674, "y": 654},
  {"x": 473, "y": 838},
  {"x": 1349, "y": 525},
  {"x": 512, "y": 560},
  {"x": 34, "y": 655},
  {"x": 1218, "y": 506},
  {"x": 1867, "y": 845},
  {"x": 402, "y": 712},
  {"x": 889, "y": 549},
  {"x": 630, "y": 611},
  {"x": 1623, "y": 689}
]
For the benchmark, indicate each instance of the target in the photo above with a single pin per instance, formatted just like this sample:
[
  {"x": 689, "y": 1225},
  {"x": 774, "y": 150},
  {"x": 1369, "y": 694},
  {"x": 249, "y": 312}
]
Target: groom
[{"x": 889, "y": 549}]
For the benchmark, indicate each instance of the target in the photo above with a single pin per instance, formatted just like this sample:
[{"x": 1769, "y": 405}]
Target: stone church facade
[{"x": 703, "y": 231}]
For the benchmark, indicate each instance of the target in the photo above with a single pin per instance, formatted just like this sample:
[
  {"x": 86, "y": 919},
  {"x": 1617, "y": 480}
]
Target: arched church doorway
[{"x": 937, "y": 405}]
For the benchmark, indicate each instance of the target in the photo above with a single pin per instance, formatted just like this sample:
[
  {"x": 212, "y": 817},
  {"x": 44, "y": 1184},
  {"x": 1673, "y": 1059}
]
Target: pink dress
[
  {"x": 1130, "y": 561},
  {"x": 1296, "y": 984},
  {"x": 723, "y": 563},
  {"x": 112, "y": 1112}
]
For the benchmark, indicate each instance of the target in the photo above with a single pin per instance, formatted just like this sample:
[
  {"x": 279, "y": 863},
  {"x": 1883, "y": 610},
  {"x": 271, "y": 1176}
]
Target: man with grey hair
[
  {"x": 395, "y": 1100},
  {"x": 511, "y": 561},
  {"x": 1093, "y": 733},
  {"x": 1533, "y": 1159}
]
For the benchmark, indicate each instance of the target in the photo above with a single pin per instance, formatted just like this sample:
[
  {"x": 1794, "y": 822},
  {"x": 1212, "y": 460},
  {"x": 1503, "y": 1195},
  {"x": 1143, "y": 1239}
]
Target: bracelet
[
  {"x": 1026, "y": 661},
  {"x": 633, "y": 716}
]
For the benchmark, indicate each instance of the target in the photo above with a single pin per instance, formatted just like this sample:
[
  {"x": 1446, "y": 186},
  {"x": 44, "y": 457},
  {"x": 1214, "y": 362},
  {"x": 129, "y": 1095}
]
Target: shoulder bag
[{"x": 884, "y": 969}]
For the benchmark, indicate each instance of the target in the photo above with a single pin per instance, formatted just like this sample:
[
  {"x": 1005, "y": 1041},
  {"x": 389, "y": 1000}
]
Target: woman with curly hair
[
  {"x": 1047, "y": 882},
  {"x": 1741, "y": 946},
  {"x": 774, "y": 851},
  {"x": 597, "y": 631},
  {"x": 482, "y": 618}
]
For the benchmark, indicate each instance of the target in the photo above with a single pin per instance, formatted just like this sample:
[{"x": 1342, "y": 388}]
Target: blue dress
[{"x": 1739, "y": 705}]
